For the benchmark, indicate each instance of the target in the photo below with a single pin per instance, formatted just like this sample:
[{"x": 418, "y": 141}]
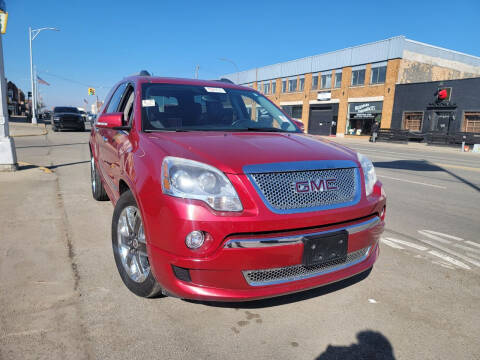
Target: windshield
[
  {"x": 170, "y": 107},
  {"x": 65, "y": 110}
]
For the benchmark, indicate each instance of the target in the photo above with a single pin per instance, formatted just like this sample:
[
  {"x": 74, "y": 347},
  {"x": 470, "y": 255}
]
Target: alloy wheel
[{"x": 132, "y": 246}]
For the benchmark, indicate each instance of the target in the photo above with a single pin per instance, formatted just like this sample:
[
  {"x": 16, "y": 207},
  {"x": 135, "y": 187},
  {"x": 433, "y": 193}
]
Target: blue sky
[{"x": 102, "y": 41}]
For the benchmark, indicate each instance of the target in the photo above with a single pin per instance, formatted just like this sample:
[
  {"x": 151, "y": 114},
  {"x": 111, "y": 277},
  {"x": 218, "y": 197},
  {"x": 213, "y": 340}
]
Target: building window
[
  {"x": 315, "y": 82},
  {"x": 326, "y": 81},
  {"x": 294, "y": 111},
  {"x": 412, "y": 120},
  {"x": 338, "y": 78},
  {"x": 292, "y": 84},
  {"x": 274, "y": 86},
  {"x": 284, "y": 85},
  {"x": 378, "y": 74},
  {"x": 471, "y": 122},
  {"x": 301, "y": 83},
  {"x": 358, "y": 77},
  {"x": 266, "y": 87}
]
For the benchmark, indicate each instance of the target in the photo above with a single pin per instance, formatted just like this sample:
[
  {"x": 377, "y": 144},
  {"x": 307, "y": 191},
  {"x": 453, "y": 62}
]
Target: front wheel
[
  {"x": 98, "y": 190},
  {"x": 130, "y": 248}
]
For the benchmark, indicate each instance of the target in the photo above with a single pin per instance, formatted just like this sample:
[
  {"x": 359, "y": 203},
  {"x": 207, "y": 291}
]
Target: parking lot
[{"x": 61, "y": 294}]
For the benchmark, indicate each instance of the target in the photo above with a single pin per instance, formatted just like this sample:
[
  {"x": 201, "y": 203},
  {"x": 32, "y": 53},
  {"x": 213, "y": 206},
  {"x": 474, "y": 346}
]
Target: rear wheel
[
  {"x": 130, "y": 248},
  {"x": 98, "y": 191}
]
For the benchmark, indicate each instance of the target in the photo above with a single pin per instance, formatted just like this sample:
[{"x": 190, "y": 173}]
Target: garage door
[{"x": 320, "y": 122}]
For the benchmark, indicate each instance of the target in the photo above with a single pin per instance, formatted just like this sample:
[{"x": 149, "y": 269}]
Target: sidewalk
[
  {"x": 364, "y": 140},
  {"x": 20, "y": 127}
]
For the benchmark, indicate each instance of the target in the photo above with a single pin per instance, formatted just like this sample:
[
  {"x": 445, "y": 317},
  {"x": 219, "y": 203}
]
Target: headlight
[
  {"x": 368, "y": 173},
  {"x": 56, "y": 118},
  {"x": 190, "y": 179}
]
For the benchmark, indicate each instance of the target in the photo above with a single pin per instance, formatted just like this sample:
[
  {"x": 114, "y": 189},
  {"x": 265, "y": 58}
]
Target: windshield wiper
[
  {"x": 165, "y": 130},
  {"x": 263, "y": 129}
]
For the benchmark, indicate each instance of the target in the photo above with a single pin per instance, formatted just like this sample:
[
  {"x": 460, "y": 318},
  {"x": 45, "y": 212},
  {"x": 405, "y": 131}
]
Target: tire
[
  {"x": 98, "y": 190},
  {"x": 129, "y": 248},
  {"x": 54, "y": 128},
  {"x": 82, "y": 128}
]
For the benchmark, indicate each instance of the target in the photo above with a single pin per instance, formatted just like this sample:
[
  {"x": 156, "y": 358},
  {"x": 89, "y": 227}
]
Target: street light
[
  {"x": 234, "y": 64},
  {"x": 32, "y": 34}
]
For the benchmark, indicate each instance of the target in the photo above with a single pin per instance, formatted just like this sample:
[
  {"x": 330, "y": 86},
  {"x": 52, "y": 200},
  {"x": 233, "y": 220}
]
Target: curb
[
  {"x": 44, "y": 132},
  {"x": 42, "y": 168}
]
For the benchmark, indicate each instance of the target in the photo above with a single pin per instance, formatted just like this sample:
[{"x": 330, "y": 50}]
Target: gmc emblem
[{"x": 315, "y": 185}]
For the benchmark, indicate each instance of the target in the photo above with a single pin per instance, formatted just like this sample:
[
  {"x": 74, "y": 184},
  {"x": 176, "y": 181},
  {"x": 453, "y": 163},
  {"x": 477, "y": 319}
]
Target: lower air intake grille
[{"x": 300, "y": 272}]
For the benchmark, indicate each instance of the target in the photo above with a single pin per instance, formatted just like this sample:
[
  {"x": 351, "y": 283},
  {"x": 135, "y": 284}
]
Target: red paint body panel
[{"x": 134, "y": 159}]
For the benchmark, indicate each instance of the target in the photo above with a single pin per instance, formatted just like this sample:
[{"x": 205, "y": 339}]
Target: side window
[
  {"x": 115, "y": 100},
  {"x": 127, "y": 105}
]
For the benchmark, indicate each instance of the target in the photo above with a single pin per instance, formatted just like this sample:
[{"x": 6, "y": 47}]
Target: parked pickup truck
[
  {"x": 218, "y": 195},
  {"x": 67, "y": 117}
]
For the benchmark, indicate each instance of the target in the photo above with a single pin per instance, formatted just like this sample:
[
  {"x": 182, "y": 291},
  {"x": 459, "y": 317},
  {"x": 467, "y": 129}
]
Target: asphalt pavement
[{"x": 61, "y": 296}]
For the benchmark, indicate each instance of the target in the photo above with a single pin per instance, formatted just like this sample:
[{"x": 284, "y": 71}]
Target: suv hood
[
  {"x": 66, "y": 113},
  {"x": 230, "y": 151}
]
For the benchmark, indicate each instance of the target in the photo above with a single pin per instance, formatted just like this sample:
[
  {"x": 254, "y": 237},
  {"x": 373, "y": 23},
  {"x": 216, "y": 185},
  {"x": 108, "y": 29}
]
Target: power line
[{"x": 48, "y": 73}]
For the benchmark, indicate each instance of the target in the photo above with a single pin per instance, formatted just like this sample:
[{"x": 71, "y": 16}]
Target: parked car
[
  {"x": 65, "y": 117},
  {"x": 91, "y": 118},
  {"x": 84, "y": 115},
  {"x": 299, "y": 124},
  {"x": 45, "y": 115},
  {"x": 218, "y": 195}
]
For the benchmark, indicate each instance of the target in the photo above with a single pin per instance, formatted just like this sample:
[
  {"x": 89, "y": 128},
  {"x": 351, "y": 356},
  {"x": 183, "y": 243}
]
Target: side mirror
[{"x": 110, "y": 121}]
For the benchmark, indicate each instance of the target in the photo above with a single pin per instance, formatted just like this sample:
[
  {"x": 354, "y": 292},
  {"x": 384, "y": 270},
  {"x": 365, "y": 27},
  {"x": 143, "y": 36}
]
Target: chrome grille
[
  {"x": 278, "y": 188},
  {"x": 300, "y": 272}
]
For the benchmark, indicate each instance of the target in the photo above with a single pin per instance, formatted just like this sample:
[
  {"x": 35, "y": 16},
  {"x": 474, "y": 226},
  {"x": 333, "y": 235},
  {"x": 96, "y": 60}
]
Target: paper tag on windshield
[
  {"x": 215, "y": 90},
  {"x": 148, "y": 102}
]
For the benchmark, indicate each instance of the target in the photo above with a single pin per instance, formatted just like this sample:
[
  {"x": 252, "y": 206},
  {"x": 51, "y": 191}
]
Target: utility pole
[
  {"x": 35, "y": 86},
  {"x": 8, "y": 155},
  {"x": 197, "y": 67},
  {"x": 32, "y": 104},
  {"x": 32, "y": 34}
]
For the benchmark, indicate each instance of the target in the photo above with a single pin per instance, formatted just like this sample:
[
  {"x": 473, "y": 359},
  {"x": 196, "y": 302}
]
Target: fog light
[{"x": 195, "y": 239}]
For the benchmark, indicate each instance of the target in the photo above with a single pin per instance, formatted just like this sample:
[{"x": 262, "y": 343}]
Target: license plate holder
[{"x": 318, "y": 249}]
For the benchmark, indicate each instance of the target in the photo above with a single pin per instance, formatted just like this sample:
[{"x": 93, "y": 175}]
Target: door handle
[{"x": 105, "y": 138}]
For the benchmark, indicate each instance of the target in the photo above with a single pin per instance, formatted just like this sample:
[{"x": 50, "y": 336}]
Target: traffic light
[
  {"x": 91, "y": 91},
  {"x": 3, "y": 21}
]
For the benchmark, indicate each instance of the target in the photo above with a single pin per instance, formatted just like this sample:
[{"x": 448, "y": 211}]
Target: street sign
[
  {"x": 91, "y": 91},
  {"x": 3, "y": 22}
]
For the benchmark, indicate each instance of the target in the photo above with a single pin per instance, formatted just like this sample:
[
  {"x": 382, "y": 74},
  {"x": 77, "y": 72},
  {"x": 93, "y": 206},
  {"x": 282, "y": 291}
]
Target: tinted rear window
[{"x": 65, "y": 109}]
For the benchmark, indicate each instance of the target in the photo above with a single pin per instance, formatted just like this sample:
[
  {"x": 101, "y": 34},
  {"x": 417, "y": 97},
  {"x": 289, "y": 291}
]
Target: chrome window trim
[{"x": 296, "y": 239}]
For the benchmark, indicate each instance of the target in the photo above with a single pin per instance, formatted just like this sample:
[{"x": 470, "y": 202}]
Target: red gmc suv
[{"x": 218, "y": 195}]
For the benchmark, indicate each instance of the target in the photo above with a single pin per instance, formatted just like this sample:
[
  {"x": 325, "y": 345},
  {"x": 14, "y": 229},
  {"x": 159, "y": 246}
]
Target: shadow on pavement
[
  {"x": 68, "y": 164},
  {"x": 421, "y": 165},
  {"x": 27, "y": 166},
  {"x": 291, "y": 298},
  {"x": 371, "y": 345}
]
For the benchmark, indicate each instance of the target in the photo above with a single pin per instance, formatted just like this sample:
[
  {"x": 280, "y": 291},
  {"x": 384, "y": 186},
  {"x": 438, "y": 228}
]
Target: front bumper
[
  {"x": 69, "y": 124},
  {"x": 225, "y": 274}
]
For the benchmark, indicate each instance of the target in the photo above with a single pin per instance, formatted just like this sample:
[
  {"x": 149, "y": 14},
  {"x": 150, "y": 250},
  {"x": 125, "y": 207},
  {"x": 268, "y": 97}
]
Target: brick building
[
  {"x": 345, "y": 91},
  {"x": 15, "y": 99}
]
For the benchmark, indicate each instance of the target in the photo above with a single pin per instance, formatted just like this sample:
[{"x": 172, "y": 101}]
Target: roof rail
[
  {"x": 144, "y": 73},
  {"x": 225, "y": 80}
]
